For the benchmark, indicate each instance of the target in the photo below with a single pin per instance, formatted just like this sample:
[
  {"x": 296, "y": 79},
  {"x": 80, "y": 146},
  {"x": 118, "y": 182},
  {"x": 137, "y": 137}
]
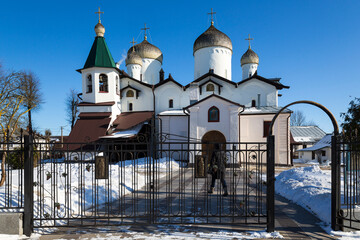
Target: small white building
[
  {"x": 214, "y": 105},
  {"x": 321, "y": 151}
]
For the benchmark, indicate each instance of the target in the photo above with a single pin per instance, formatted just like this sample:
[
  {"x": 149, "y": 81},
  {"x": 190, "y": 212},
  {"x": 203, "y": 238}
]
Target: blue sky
[{"x": 311, "y": 45}]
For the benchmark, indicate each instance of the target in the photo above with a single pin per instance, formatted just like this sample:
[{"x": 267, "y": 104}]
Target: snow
[
  {"x": 173, "y": 112},
  {"x": 310, "y": 187},
  {"x": 120, "y": 174},
  {"x": 126, "y": 133}
]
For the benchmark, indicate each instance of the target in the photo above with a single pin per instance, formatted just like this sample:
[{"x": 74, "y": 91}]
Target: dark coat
[{"x": 218, "y": 162}]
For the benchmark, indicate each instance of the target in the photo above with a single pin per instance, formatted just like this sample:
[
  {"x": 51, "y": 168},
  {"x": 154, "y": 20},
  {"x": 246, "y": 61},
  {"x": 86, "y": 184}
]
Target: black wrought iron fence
[
  {"x": 12, "y": 176},
  {"x": 137, "y": 182},
  {"x": 349, "y": 192}
]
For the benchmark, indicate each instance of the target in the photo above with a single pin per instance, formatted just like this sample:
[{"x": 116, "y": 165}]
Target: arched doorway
[{"x": 208, "y": 141}]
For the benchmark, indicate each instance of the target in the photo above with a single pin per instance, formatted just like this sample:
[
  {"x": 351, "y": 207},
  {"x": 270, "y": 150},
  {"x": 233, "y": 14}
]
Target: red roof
[
  {"x": 130, "y": 119},
  {"x": 87, "y": 130}
]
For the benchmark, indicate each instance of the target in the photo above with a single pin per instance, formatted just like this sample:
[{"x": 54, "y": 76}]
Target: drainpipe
[
  {"x": 188, "y": 115},
  {"x": 287, "y": 143}
]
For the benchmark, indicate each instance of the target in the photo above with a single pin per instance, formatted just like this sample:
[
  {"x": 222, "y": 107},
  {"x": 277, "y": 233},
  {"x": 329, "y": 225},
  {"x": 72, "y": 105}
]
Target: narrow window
[
  {"x": 130, "y": 106},
  {"x": 171, "y": 103},
  {"x": 253, "y": 103},
  {"x": 117, "y": 85},
  {"x": 323, "y": 153},
  {"x": 89, "y": 84},
  {"x": 266, "y": 128},
  {"x": 213, "y": 114},
  {"x": 103, "y": 83},
  {"x": 304, "y": 146},
  {"x": 210, "y": 87}
]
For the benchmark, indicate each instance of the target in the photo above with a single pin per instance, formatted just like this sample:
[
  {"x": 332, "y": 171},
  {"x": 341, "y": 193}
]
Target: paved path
[{"x": 185, "y": 195}]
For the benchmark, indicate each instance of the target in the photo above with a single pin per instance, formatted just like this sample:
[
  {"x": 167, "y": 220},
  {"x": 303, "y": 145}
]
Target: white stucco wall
[
  {"x": 248, "y": 70},
  {"x": 143, "y": 103},
  {"x": 150, "y": 70},
  {"x": 248, "y": 91},
  {"x": 169, "y": 91},
  {"x": 217, "y": 58},
  {"x": 134, "y": 70},
  {"x": 227, "y": 125}
]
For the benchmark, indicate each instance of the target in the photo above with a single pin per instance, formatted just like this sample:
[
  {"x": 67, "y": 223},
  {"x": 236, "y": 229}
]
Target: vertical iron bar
[
  {"x": 270, "y": 179},
  {"x": 335, "y": 183},
  {"x": 28, "y": 186}
]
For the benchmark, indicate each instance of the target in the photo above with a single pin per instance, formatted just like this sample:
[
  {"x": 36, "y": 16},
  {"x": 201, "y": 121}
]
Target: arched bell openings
[
  {"x": 103, "y": 83},
  {"x": 89, "y": 84},
  {"x": 213, "y": 114}
]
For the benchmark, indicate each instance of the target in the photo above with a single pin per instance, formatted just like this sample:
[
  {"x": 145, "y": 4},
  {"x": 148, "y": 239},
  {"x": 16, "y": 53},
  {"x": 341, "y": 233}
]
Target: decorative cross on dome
[
  {"x": 99, "y": 12},
  {"x": 249, "y": 39},
  {"x": 145, "y": 28},
  {"x": 212, "y": 16},
  {"x": 133, "y": 43}
]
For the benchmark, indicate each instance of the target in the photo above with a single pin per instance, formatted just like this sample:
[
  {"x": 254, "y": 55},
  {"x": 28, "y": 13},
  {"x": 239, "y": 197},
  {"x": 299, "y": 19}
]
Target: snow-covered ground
[{"x": 310, "y": 187}]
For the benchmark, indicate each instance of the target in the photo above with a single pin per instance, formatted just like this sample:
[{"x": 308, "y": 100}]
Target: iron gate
[
  {"x": 124, "y": 183},
  {"x": 346, "y": 182}
]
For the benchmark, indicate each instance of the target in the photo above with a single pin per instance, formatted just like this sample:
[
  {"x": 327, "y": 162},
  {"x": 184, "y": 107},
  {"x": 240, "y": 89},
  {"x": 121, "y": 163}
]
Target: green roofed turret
[{"x": 99, "y": 55}]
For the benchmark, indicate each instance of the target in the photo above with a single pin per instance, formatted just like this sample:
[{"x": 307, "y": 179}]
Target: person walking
[{"x": 217, "y": 169}]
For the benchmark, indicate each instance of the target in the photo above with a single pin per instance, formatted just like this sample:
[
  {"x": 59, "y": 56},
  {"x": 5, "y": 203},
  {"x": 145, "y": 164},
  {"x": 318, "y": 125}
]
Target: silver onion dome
[
  {"x": 212, "y": 37},
  {"x": 99, "y": 30},
  {"x": 249, "y": 57},
  {"x": 147, "y": 50},
  {"x": 133, "y": 58}
]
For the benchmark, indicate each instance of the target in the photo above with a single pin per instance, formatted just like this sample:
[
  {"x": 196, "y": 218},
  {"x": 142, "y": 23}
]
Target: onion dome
[
  {"x": 212, "y": 37},
  {"x": 133, "y": 58},
  {"x": 147, "y": 50},
  {"x": 99, "y": 30},
  {"x": 249, "y": 57}
]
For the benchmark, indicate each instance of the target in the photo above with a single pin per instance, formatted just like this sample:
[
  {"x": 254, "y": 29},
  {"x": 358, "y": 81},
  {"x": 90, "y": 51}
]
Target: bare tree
[
  {"x": 30, "y": 91},
  {"x": 10, "y": 110},
  {"x": 72, "y": 108},
  {"x": 298, "y": 119}
]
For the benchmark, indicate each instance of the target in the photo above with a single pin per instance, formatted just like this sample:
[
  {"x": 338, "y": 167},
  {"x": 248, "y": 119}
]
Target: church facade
[{"x": 118, "y": 104}]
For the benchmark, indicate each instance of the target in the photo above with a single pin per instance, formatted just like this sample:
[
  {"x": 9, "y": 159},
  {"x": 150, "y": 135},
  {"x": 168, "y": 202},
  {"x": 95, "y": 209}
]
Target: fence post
[
  {"x": 270, "y": 184},
  {"x": 335, "y": 183},
  {"x": 28, "y": 185}
]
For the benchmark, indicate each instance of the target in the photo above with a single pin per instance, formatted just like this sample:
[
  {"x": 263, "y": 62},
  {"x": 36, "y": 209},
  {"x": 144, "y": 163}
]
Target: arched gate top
[{"x": 331, "y": 116}]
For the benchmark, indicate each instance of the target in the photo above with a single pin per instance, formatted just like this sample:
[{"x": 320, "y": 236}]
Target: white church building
[{"x": 214, "y": 106}]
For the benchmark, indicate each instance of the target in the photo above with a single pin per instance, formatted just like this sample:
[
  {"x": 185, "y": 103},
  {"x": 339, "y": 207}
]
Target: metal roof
[
  {"x": 263, "y": 110},
  {"x": 325, "y": 142},
  {"x": 307, "y": 134}
]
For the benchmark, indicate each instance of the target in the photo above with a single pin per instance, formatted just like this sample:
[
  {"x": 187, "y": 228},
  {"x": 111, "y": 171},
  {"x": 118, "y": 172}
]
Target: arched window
[
  {"x": 130, "y": 93},
  {"x": 213, "y": 114},
  {"x": 103, "y": 83},
  {"x": 130, "y": 106},
  {"x": 89, "y": 84},
  {"x": 171, "y": 103},
  {"x": 210, "y": 87},
  {"x": 253, "y": 103}
]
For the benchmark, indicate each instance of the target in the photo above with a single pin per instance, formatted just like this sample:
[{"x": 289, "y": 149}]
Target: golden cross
[
  {"x": 133, "y": 43},
  {"x": 212, "y": 16},
  {"x": 249, "y": 39},
  {"x": 145, "y": 28},
  {"x": 99, "y": 12}
]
